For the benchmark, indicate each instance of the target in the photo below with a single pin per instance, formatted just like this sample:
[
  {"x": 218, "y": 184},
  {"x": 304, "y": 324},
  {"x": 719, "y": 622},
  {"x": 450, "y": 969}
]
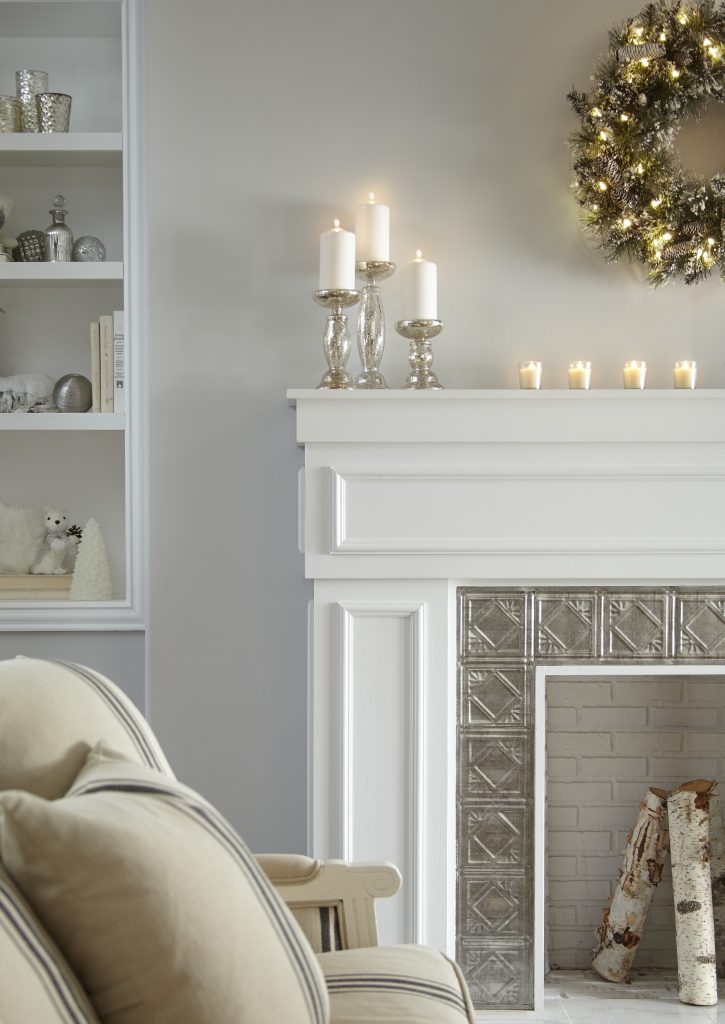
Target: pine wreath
[{"x": 665, "y": 64}]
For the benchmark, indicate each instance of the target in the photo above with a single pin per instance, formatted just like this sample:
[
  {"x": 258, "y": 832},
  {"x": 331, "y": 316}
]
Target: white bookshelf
[{"x": 93, "y": 464}]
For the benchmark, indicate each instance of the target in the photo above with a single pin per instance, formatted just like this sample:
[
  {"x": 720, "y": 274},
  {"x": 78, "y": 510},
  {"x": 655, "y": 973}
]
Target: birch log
[
  {"x": 622, "y": 924},
  {"x": 689, "y": 813},
  {"x": 717, "y": 880}
]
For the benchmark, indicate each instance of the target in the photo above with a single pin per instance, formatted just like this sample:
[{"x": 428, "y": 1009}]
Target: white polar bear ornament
[{"x": 58, "y": 543}]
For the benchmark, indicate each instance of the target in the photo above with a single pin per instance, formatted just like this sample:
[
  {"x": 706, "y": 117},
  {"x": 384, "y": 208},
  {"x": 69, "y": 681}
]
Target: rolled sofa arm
[{"x": 313, "y": 889}]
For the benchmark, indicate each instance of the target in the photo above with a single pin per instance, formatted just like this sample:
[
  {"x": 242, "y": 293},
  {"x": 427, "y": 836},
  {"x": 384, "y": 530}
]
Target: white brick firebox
[{"x": 405, "y": 497}]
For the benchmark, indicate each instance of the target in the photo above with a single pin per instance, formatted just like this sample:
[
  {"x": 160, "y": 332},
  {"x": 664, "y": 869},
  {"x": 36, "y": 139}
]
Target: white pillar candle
[
  {"x": 685, "y": 374},
  {"x": 420, "y": 289},
  {"x": 580, "y": 375},
  {"x": 635, "y": 374},
  {"x": 530, "y": 376},
  {"x": 337, "y": 259},
  {"x": 372, "y": 229}
]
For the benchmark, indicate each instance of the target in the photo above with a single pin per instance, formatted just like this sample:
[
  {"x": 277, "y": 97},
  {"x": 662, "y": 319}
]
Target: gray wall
[{"x": 266, "y": 119}]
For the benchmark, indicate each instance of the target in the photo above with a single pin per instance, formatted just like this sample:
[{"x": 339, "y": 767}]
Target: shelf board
[
  {"x": 61, "y": 149},
  {"x": 62, "y": 421},
  {"x": 38, "y": 274}
]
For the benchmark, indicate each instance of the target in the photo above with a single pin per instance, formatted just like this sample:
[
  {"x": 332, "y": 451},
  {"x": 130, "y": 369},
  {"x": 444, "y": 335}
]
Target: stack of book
[
  {"x": 108, "y": 363},
  {"x": 35, "y": 587}
]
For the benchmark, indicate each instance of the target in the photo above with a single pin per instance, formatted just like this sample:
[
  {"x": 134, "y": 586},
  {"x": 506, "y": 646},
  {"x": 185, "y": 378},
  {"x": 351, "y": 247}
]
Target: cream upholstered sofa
[{"x": 125, "y": 897}]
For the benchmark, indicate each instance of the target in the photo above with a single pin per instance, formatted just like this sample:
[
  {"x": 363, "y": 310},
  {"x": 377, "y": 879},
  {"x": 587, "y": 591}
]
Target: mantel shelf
[
  {"x": 61, "y": 149},
  {"x": 39, "y": 274},
  {"x": 510, "y": 416},
  {"x": 62, "y": 421}
]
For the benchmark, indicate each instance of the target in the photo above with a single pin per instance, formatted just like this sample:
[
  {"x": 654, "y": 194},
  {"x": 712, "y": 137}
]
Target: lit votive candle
[
  {"x": 530, "y": 376},
  {"x": 685, "y": 374},
  {"x": 635, "y": 374},
  {"x": 580, "y": 376}
]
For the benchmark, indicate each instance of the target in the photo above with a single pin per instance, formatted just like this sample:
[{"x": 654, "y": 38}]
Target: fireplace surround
[{"x": 408, "y": 503}]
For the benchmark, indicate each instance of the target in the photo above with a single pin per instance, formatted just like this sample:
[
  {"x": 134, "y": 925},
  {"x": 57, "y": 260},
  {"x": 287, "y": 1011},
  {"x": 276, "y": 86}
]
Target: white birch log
[
  {"x": 622, "y": 924},
  {"x": 689, "y": 813},
  {"x": 717, "y": 880}
]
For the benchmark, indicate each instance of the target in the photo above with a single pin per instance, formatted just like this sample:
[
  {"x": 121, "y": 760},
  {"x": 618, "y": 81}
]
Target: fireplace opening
[{"x": 608, "y": 739}]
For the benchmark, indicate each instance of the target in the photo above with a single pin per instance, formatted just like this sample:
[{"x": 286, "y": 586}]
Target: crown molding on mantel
[{"x": 573, "y": 417}]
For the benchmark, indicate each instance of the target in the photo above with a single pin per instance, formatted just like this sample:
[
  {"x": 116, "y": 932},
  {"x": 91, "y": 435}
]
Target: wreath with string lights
[{"x": 665, "y": 64}]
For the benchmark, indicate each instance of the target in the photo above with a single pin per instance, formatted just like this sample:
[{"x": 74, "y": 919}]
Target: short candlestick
[
  {"x": 371, "y": 323},
  {"x": 336, "y": 342},
  {"x": 420, "y": 355}
]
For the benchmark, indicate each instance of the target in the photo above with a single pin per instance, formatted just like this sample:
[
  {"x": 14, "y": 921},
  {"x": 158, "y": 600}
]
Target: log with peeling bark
[
  {"x": 688, "y": 808},
  {"x": 620, "y": 931},
  {"x": 717, "y": 880}
]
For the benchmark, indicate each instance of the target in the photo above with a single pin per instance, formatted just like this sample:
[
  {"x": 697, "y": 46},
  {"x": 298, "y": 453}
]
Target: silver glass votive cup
[
  {"x": 11, "y": 119},
  {"x": 53, "y": 111},
  {"x": 28, "y": 83}
]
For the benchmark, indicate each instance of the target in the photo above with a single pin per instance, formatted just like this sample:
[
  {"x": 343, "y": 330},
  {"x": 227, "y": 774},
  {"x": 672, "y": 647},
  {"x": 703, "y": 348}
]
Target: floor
[{"x": 582, "y": 997}]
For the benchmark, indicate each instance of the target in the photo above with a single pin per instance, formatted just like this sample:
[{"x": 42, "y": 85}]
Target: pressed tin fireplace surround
[
  {"x": 574, "y": 532},
  {"x": 503, "y": 635}
]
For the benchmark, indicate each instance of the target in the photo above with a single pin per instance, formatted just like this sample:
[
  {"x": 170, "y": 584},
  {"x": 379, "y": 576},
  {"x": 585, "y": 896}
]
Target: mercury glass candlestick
[
  {"x": 420, "y": 356},
  {"x": 371, "y": 323},
  {"x": 336, "y": 342}
]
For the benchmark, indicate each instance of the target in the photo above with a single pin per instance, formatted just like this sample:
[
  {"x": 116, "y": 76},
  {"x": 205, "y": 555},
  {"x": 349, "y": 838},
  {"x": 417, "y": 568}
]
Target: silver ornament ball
[
  {"x": 89, "y": 249},
  {"x": 72, "y": 393}
]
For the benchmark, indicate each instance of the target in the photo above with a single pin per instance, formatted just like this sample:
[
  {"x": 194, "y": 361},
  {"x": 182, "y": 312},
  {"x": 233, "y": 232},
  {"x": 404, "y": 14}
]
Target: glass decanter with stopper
[{"x": 58, "y": 236}]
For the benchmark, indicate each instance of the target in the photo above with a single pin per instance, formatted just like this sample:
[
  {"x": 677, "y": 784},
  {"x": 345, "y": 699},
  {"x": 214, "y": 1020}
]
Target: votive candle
[
  {"x": 530, "y": 376},
  {"x": 337, "y": 259},
  {"x": 685, "y": 374},
  {"x": 580, "y": 375},
  {"x": 635, "y": 374}
]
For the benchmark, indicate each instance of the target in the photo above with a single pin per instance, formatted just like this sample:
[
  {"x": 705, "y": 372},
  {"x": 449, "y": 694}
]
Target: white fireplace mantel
[{"x": 405, "y": 496}]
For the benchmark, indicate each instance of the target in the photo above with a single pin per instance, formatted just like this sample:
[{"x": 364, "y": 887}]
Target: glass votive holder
[
  {"x": 53, "y": 111},
  {"x": 685, "y": 374},
  {"x": 28, "y": 83},
  {"x": 580, "y": 375},
  {"x": 10, "y": 114},
  {"x": 530, "y": 376},
  {"x": 635, "y": 374}
]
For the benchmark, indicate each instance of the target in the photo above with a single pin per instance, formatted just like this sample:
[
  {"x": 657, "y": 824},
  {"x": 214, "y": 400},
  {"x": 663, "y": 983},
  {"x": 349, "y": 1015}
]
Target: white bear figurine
[{"x": 58, "y": 543}]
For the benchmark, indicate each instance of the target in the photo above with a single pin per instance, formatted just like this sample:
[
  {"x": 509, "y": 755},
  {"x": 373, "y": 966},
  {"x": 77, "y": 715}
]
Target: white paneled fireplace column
[{"x": 404, "y": 497}]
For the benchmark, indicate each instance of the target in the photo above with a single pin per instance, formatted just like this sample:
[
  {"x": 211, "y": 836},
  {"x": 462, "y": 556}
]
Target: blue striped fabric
[{"x": 28, "y": 957}]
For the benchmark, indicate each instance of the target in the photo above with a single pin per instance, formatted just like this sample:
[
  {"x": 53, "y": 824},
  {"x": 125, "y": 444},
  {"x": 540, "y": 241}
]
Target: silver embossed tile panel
[{"x": 502, "y": 635}]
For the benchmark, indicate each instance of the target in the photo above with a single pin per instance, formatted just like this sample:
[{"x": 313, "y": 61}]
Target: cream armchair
[{"x": 52, "y": 714}]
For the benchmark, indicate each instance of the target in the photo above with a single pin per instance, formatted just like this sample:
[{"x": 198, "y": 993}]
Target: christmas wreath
[{"x": 665, "y": 64}]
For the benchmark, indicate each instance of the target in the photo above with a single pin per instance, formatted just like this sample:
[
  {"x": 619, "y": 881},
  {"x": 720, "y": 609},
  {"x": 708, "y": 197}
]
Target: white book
[
  {"x": 119, "y": 362},
  {"x": 96, "y": 365},
  {"x": 106, "y": 324}
]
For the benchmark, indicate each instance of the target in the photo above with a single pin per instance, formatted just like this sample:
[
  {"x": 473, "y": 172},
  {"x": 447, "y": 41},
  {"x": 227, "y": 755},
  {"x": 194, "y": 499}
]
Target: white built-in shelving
[{"x": 93, "y": 464}]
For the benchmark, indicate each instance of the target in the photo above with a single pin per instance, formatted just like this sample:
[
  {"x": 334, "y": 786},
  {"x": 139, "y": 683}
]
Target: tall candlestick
[
  {"x": 420, "y": 289},
  {"x": 580, "y": 375},
  {"x": 337, "y": 259},
  {"x": 685, "y": 374},
  {"x": 372, "y": 229},
  {"x": 635, "y": 374}
]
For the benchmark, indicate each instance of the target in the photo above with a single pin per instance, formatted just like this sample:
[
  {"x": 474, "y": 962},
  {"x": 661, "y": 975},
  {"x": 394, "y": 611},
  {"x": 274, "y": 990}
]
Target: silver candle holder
[
  {"x": 420, "y": 356},
  {"x": 371, "y": 323},
  {"x": 336, "y": 342}
]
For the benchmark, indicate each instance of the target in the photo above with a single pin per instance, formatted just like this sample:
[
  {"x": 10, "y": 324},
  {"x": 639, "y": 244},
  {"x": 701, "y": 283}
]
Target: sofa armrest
[{"x": 349, "y": 888}]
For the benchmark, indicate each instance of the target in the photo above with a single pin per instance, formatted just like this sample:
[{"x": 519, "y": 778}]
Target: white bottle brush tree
[{"x": 92, "y": 576}]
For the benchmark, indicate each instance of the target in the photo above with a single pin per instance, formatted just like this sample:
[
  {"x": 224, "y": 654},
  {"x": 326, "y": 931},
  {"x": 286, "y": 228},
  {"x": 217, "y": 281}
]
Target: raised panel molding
[
  {"x": 497, "y": 498},
  {"x": 413, "y": 640}
]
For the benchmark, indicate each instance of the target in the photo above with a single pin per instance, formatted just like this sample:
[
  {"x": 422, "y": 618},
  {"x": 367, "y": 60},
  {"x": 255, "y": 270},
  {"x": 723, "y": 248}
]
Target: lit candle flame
[
  {"x": 418, "y": 254},
  {"x": 372, "y": 197},
  {"x": 336, "y": 224}
]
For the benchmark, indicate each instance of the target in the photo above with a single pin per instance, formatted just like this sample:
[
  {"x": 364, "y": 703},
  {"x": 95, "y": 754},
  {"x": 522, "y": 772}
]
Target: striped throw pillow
[
  {"x": 37, "y": 986},
  {"x": 157, "y": 903}
]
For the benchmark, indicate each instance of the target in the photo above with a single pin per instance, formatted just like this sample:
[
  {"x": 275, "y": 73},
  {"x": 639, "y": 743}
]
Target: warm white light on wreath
[{"x": 662, "y": 65}]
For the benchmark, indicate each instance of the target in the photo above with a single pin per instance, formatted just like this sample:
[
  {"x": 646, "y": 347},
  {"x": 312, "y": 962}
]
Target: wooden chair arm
[{"x": 351, "y": 888}]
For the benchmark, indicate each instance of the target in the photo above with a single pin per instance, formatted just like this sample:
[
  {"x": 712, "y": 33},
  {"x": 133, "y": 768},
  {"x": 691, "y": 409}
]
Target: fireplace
[
  {"x": 618, "y": 676},
  {"x": 464, "y": 548}
]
